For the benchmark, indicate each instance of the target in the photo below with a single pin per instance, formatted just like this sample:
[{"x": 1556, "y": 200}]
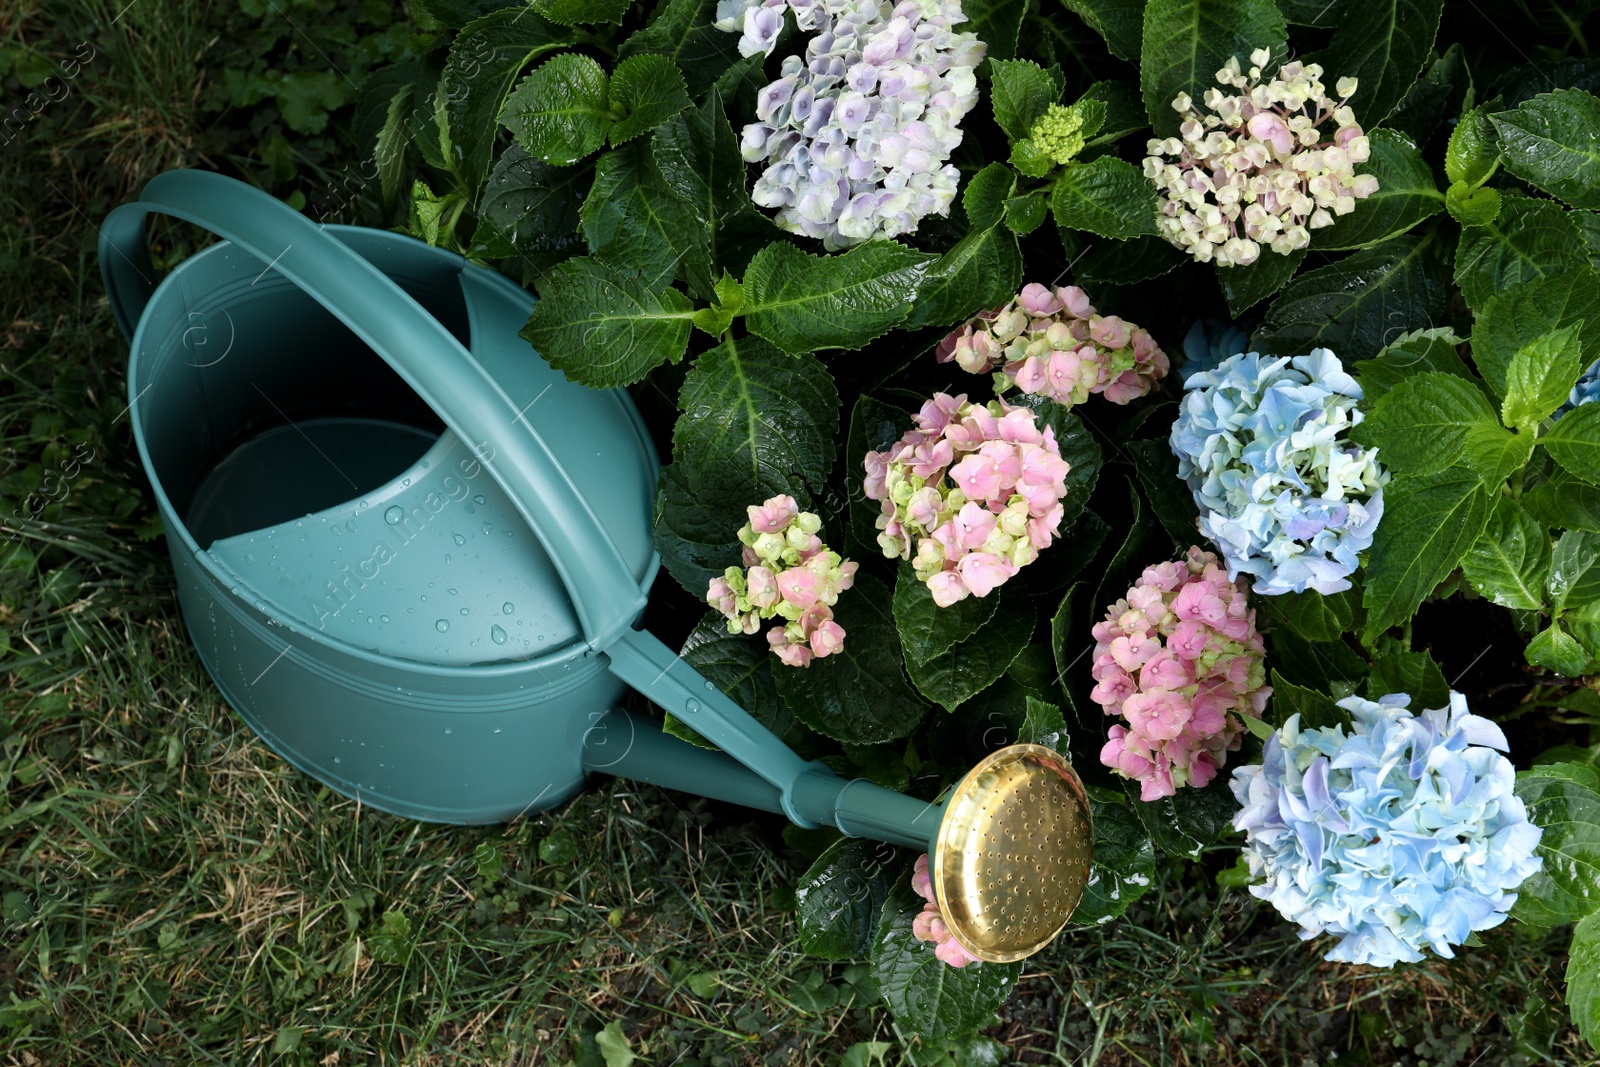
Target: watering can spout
[{"x": 1010, "y": 847}]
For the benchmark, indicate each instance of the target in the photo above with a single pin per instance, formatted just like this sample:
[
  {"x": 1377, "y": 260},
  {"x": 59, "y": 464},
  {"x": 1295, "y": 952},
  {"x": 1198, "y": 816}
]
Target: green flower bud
[{"x": 1058, "y": 134}]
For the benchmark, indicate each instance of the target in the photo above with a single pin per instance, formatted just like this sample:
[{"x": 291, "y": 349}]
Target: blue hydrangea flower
[
  {"x": 1210, "y": 341},
  {"x": 1586, "y": 390},
  {"x": 1261, "y": 441},
  {"x": 1402, "y": 835}
]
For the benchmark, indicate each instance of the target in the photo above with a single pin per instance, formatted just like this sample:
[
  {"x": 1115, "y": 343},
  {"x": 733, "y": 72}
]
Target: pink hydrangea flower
[
  {"x": 929, "y": 925},
  {"x": 1178, "y": 659},
  {"x": 970, "y": 494},
  {"x": 788, "y": 574},
  {"x": 1052, "y": 343}
]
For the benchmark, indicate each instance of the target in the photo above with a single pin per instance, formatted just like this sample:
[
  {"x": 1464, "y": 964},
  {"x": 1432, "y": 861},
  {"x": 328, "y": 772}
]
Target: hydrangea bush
[{"x": 784, "y": 225}]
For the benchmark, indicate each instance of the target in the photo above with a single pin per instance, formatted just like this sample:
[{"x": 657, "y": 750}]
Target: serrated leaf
[
  {"x": 454, "y": 14},
  {"x": 923, "y": 993},
  {"x": 1323, "y": 617},
  {"x": 603, "y": 328},
  {"x": 997, "y": 23},
  {"x": 802, "y": 302},
  {"x": 560, "y": 112},
  {"x": 1124, "y": 864},
  {"x": 1359, "y": 304},
  {"x": 1185, "y": 43},
  {"x": 1421, "y": 426},
  {"x": 531, "y": 207},
  {"x": 1245, "y": 287},
  {"x": 1429, "y": 522},
  {"x": 1568, "y": 813},
  {"x": 1043, "y": 724},
  {"x": 1120, "y": 22},
  {"x": 1438, "y": 93},
  {"x": 1588, "y": 223},
  {"x": 587, "y": 12},
  {"x": 634, "y": 221},
  {"x": 754, "y": 423},
  {"x": 1550, "y": 141},
  {"x": 1322, "y": 666},
  {"x": 684, "y": 32},
  {"x": 927, "y": 630},
  {"x": 1169, "y": 497},
  {"x": 1574, "y": 569},
  {"x": 1510, "y": 561},
  {"x": 1540, "y": 376},
  {"x": 698, "y": 154},
  {"x": 986, "y": 194},
  {"x": 983, "y": 270},
  {"x": 1185, "y": 823},
  {"x": 485, "y": 59},
  {"x": 1384, "y": 43},
  {"x": 968, "y": 667},
  {"x": 1559, "y": 651},
  {"x": 1323, "y": 14},
  {"x": 1406, "y": 195},
  {"x": 1473, "y": 150},
  {"x": 1583, "y": 979},
  {"x": 859, "y": 694},
  {"x": 1107, "y": 197},
  {"x": 1315, "y": 709},
  {"x": 874, "y": 427},
  {"x": 1021, "y": 91},
  {"x": 1574, "y": 442},
  {"x": 1030, "y": 159},
  {"x": 646, "y": 90},
  {"x": 1518, "y": 315},
  {"x": 1124, "y": 109},
  {"x": 1473, "y": 207},
  {"x": 389, "y": 149},
  {"x": 1026, "y": 213},
  {"x": 1530, "y": 239},
  {"x": 695, "y": 545},
  {"x": 1565, "y": 502},
  {"x": 841, "y": 896},
  {"x": 1413, "y": 673},
  {"x": 1078, "y": 447},
  {"x": 741, "y": 666},
  {"x": 1418, "y": 352},
  {"x": 1127, "y": 262}
]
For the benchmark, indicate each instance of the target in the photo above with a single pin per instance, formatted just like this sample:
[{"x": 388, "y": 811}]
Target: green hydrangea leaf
[
  {"x": 1120, "y": 22},
  {"x": 586, "y": 12},
  {"x": 983, "y": 270},
  {"x": 1315, "y": 708},
  {"x": 1550, "y": 142},
  {"x": 1438, "y": 93},
  {"x": 1020, "y": 92},
  {"x": 634, "y": 220},
  {"x": 1417, "y": 352},
  {"x": 484, "y": 61},
  {"x": 1355, "y": 306},
  {"x": 1026, "y": 213},
  {"x": 997, "y": 23},
  {"x": 1030, "y": 159},
  {"x": 646, "y": 90},
  {"x": 1124, "y": 863},
  {"x": 1588, "y": 223},
  {"x": 1574, "y": 442},
  {"x": 969, "y": 666},
  {"x": 1324, "y": 14},
  {"x": 1413, "y": 673},
  {"x": 802, "y": 303},
  {"x": 860, "y": 694},
  {"x": 1124, "y": 110},
  {"x": 684, "y": 32},
  {"x": 923, "y": 993},
  {"x": 698, "y": 154},
  {"x": 1430, "y": 522},
  {"x": 1406, "y": 195},
  {"x": 695, "y": 544},
  {"x": 1127, "y": 262},
  {"x": 1574, "y": 570},
  {"x": 1245, "y": 287},
  {"x": 1185, "y": 43},
  {"x": 1540, "y": 376},
  {"x": 926, "y": 630},
  {"x": 603, "y": 328},
  {"x": 1385, "y": 44},
  {"x": 1520, "y": 314},
  {"x": 1474, "y": 149},
  {"x": 561, "y": 112},
  {"x": 1185, "y": 823},
  {"x": 1107, "y": 197},
  {"x": 1583, "y": 979},
  {"x": 1559, "y": 651},
  {"x": 738, "y": 664},
  {"x": 454, "y": 14},
  {"x": 841, "y": 896},
  {"x": 531, "y": 208},
  {"x": 1565, "y": 502},
  {"x": 1169, "y": 497},
  {"x": 1568, "y": 811},
  {"x": 1530, "y": 239},
  {"x": 1322, "y": 617},
  {"x": 1510, "y": 562},
  {"x": 1421, "y": 426},
  {"x": 1473, "y": 207},
  {"x": 986, "y": 194}
]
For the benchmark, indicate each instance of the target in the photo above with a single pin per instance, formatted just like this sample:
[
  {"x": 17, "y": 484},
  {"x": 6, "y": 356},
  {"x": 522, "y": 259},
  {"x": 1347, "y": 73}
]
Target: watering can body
[{"x": 412, "y": 555}]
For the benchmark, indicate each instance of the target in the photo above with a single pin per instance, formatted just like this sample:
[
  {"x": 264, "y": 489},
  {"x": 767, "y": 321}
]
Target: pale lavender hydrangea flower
[
  {"x": 1399, "y": 835},
  {"x": 857, "y": 135}
]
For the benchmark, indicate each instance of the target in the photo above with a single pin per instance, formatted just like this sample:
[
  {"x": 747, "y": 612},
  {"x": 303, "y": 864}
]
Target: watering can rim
[{"x": 571, "y": 652}]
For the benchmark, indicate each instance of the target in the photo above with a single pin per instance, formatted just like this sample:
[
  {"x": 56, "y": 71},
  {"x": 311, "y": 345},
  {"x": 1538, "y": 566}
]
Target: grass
[{"x": 175, "y": 894}]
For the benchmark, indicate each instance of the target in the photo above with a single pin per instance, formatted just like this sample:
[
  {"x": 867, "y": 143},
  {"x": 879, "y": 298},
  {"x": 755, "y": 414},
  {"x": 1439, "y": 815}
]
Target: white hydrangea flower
[
  {"x": 1255, "y": 170},
  {"x": 857, "y": 135}
]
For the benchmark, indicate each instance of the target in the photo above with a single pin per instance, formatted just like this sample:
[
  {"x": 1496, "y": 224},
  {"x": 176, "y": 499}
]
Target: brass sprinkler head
[{"x": 1013, "y": 852}]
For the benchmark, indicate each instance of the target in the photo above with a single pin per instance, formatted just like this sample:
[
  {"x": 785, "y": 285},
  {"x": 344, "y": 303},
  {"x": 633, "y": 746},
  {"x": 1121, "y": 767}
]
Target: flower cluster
[
  {"x": 1258, "y": 169},
  {"x": 791, "y": 575},
  {"x": 1401, "y": 834},
  {"x": 974, "y": 490},
  {"x": 1586, "y": 390},
  {"x": 1261, "y": 442},
  {"x": 1051, "y": 343},
  {"x": 1176, "y": 659},
  {"x": 929, "y": 924},
  {"x": 857, "y": 135}
]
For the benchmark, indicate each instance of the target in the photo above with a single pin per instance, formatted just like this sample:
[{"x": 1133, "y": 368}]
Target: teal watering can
[{"x": 412, "y": 556}]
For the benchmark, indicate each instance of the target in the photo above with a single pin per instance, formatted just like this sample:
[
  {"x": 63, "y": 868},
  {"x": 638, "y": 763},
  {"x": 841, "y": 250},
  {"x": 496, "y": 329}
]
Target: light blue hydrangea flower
[
  {"x": 1261, "y": 440},
  {"x": 1210, "y": 341},
  {"x": 1586, "y": 390},
  {"x": 1402, "y": 835}
]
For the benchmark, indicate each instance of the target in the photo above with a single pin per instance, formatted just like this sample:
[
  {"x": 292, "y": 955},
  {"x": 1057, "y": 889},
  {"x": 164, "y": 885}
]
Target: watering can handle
[{"x": 432, "y": 362}]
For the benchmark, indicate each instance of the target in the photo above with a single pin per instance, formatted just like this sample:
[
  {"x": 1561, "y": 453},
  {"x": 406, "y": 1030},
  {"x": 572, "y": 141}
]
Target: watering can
[{"x": 412, "y": 556}]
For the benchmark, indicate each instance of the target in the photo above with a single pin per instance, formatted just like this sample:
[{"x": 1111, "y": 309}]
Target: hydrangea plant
[{"x": 758, "y": 216}]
